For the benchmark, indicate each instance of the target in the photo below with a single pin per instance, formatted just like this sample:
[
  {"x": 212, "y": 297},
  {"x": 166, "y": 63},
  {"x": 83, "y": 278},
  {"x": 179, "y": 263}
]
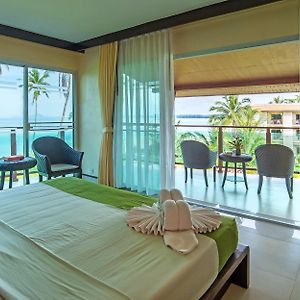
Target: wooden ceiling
[{"x": 266, "y": 69}]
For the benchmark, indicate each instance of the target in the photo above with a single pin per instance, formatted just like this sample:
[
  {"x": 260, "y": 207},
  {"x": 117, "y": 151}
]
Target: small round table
[
  {"x": 233, "y": 158},
  {"x": 11, "y": 166}
]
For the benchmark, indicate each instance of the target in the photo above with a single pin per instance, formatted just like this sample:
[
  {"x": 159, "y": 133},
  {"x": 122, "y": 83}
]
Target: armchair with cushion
[
  {"x": 197, "y": 155},
  {"x": 56, "y": 158},
  {"x": 274, "y": 160}
]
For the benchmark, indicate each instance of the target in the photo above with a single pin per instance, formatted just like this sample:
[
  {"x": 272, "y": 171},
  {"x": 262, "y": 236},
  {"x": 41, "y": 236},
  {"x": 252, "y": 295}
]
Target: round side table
[
  {"x": 11, "y": 166},
  {"x": 233, "y": 158}
]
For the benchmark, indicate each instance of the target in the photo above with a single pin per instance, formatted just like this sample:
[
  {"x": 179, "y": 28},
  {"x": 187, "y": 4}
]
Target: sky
[{"x": 11, "y": 97}]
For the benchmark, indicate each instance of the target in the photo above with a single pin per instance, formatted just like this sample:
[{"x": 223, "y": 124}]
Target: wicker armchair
[
  {"x": 274, "y": 160},
  {"x": 197, "y": 155},
  {"x": 56, "y": 158}
]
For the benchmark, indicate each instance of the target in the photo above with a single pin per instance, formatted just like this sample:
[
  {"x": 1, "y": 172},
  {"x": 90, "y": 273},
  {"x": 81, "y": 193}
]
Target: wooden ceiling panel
[{"x": 274, "y": 64}]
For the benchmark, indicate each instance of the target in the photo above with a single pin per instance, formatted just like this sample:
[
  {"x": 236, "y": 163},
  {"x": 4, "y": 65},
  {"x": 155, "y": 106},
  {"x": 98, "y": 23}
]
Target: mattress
[{"x": 91, "y": 242}]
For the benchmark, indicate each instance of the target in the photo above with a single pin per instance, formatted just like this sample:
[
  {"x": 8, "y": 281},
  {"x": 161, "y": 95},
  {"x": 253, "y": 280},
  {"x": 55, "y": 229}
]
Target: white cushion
[{"x": 62, "y": 167}]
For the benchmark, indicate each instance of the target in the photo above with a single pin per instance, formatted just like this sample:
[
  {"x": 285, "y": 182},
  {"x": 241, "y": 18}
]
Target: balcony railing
[
  {"x": 217, "y": 137},
  {"x": 12, "y": 138}
]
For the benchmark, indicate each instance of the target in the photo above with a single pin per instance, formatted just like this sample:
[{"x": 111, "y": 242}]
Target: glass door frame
[{"x": 25, "y": 121}]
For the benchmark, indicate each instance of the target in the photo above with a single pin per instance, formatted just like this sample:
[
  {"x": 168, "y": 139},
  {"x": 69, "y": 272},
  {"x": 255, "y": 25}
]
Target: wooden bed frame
[{"x": 236, "y": 271}]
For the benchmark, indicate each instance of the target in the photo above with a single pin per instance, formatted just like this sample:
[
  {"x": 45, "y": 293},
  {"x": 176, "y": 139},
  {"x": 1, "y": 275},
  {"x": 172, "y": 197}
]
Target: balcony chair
[
  {"x": 274, "y": 160},
  {"x": 56, "y": 158},
  {"x": 196, "y": 155}
]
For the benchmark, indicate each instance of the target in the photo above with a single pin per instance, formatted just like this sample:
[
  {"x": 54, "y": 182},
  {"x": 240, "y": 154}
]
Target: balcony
[
  {"x": 273, "y": 202},
  {"x": 18, "y": 140}
]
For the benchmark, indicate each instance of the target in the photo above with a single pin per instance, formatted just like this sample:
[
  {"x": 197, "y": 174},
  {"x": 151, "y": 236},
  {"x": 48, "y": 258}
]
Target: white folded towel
[
  {"x": 183, "y": 242},
  {"x": 171, "y": 216},
  {"x": 178, "y": 233},
  {"x": 176, "y": 195},
  {"x": 175, "y": 219},
  {"x": 185, "y": 219},
  {"x": 146, "y": 219},
  {"x": 164, "y": 195}
]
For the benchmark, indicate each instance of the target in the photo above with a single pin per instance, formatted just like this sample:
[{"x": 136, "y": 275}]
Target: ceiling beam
[
  {"x": 206, "y": 12},
  {"x": 240, "y": 83},
  {"x": 239, "y": 47},
  {"x": 253, "y": 89},
  {"x": 37, "y": 38}
]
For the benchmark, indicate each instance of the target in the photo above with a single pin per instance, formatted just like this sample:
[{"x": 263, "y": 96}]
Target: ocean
[{"x": 5, "y": 140}]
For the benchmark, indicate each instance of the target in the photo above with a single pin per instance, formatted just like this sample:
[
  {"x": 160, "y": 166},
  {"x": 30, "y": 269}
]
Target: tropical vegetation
[
  {"x": 230, "y": 111},
  {"x": 279, "y": 100},
  {"x": 65, "y": 87},
  {"x": 234, "y": 112},
  {"x": 37, "y": 84}
]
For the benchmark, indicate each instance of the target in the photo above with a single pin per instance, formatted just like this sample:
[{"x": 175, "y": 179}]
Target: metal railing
[
  {"x": 269, "y": 137},
  {"x": 13, "y": 142}
]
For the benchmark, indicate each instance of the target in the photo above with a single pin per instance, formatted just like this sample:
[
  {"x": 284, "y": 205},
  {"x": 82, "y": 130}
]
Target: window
[
  {"x": 298, "y": 134},
  {"x": 11, "y": 113},
  {"x": 297, "y": 119},
  {"x": 49, "y": 107},
  {"x": 276, "y": 119},
  {"x": 276, "y": 134},
  {"x": 50, "y": 104}
]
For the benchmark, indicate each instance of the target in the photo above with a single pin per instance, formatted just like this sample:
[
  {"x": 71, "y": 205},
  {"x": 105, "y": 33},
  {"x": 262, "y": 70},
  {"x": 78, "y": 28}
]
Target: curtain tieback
[{"x": 107, "y": 130}]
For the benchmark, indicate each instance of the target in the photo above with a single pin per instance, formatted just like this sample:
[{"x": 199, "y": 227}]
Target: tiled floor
[
  {"x": 273, "y": 201},
  {"x": 19, "y": 180},
  {"x": 275, "y": 262}
]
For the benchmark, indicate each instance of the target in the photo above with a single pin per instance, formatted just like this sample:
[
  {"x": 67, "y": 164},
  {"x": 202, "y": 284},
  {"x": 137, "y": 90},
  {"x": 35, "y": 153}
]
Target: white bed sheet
[{"x": 94, "y": 238}]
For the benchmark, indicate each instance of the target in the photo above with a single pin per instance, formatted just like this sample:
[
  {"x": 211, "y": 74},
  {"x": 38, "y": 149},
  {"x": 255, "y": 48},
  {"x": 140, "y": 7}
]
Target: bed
[{"x": 67, "y": 238}]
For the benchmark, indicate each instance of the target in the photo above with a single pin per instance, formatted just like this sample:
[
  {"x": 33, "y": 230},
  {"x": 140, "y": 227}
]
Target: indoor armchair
[{"x": 56, "y": 158}]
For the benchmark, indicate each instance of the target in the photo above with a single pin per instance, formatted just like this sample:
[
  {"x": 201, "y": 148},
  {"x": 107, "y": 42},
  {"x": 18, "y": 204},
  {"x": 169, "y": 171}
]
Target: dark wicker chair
[
  {"x": 197, "y": 155},
  {"x": 56, "y": 158},
  {"x": 274, "y": 160}
]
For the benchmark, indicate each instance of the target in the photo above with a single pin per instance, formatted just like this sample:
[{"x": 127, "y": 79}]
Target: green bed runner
[{"x": 226, "y": 236}]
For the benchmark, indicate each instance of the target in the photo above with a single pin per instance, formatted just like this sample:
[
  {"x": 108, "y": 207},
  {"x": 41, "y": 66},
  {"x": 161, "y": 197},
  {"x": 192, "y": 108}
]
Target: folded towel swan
[{"x": 175, "y": 219}]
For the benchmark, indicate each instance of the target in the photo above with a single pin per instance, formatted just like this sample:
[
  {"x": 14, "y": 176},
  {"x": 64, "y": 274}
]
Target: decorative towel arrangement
[{"x": 175, "y": 219}]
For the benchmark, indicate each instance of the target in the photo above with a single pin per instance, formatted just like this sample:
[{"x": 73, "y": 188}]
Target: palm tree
[
  {"x": 211, "y": 139},
  {"x": 65, "y": 85},
  {"x": 181, "y": 136},
  {"x": 278, "y": 100},
  {"x": 37, "y": 84},
  {"x": 295, "y": 100},
  {"x": 251, "y": 137},
  {"x": 251, "y": 117},
  {"x": 229, "y": 111}
]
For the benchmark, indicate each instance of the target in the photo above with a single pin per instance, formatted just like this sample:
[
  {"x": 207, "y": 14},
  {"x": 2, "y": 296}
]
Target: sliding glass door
[
  {"x": 50, "y": 104},
  {"x": 34, "y": 102},
  {"x": 11, "y": 112}
]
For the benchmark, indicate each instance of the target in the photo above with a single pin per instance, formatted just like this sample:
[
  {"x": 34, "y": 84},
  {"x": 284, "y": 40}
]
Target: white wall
[
  {"x": 89, "y": 113},
  {"x": 22, "y": 52}
]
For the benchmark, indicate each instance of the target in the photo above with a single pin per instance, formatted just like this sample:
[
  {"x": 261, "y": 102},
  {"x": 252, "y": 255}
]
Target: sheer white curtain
[{"x": 144, "y": 109}]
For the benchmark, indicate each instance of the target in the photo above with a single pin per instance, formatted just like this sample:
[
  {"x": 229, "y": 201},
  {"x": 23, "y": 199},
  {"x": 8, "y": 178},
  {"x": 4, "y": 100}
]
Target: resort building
[{"x": 282, "y": 115}]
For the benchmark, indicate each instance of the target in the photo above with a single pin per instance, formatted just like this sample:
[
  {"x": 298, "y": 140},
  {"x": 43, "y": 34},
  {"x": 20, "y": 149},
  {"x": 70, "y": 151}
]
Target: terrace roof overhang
[
  {"x": 253, "y": 51},
  {"x": 268, "y": 69}
]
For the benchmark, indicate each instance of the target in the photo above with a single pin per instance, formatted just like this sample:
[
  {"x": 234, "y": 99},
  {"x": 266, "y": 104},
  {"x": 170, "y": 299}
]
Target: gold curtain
[{"x": 107, "y": 83}]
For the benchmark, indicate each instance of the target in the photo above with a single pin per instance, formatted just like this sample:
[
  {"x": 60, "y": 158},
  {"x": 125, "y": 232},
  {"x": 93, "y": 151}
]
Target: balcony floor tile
[{"x": 273, "y": 202}]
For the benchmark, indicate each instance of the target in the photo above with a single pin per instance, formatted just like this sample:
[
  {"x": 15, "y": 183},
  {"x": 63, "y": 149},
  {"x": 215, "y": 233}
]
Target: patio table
[
  {"x": 233, "y": 158},
  {"x": 10, "y": 166}
]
